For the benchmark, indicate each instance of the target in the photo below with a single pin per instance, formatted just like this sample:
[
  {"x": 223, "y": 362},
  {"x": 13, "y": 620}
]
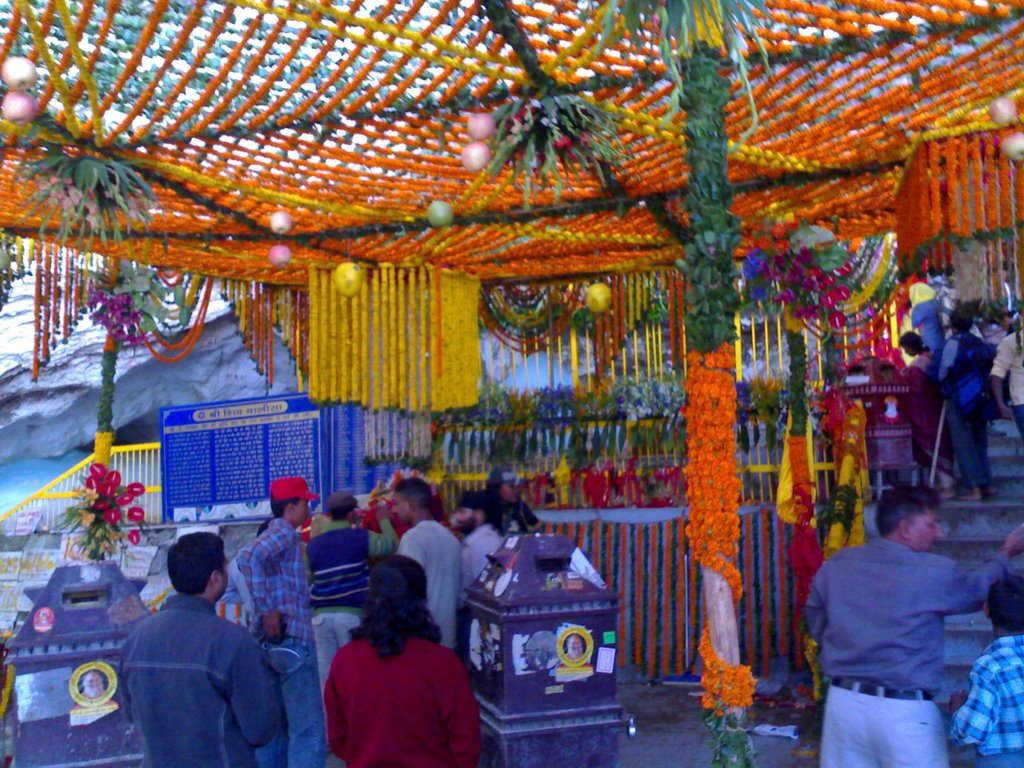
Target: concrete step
[
  {"x": 995, "y": 517},
  {"x": 969, "y": 551},
  {"x": 1000, "y": 447}
]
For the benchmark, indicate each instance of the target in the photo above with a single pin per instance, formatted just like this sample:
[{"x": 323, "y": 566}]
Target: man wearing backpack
[{"x": 963, "y": 378}]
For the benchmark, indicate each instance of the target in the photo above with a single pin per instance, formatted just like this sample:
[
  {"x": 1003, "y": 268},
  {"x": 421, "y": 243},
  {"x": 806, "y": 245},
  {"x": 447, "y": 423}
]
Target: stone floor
[{"x": 670, "y": 731}]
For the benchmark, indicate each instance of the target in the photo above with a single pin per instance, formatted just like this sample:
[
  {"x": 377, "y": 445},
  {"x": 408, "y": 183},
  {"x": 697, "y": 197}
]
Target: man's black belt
[{"x": 912, "y": 694}]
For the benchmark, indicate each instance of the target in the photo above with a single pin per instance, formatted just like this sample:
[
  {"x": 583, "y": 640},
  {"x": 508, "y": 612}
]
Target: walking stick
[{"x": 938, "y": 441}]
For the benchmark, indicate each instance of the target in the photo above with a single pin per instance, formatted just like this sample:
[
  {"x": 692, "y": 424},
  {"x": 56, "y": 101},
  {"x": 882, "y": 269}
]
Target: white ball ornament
[
  {"x": 279, "y": 255},
  {"x": 439, "y": 214},
  {"x": 281, "y": 222},
  {"x": 19, "y": 73},
  {"x": 475, "y": 156},
  {"x": 1003, "y": 111},
  {"x": 480, "y": 127},
  {"x": 19, "y": 108},
  {"x": 348, "y": 279},
  {"x": 599, "y": 298},
  {"x": 1013, "y": 146}
]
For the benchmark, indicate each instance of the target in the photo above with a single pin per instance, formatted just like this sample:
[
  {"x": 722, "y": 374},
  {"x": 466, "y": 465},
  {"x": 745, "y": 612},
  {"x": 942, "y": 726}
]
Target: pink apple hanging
[
  {"x": 279, "y": 255},
  {"x": 1002, "y": 111},
  {"x": 475, "y": 156},
  {"x": 19, "y": 73},
  {"x": 1013, "y": 146},
  {"x": 281, "y": 222},
  {"x": 19, "y": 108},
  {"x": 480, "y": 127}
]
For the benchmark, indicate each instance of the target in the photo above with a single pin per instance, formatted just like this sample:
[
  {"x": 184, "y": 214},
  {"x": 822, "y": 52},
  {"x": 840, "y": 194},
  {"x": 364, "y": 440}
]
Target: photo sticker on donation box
[
  {"x": 575, "y": 648},
  {"x": 536, "y": 653},
  {"x": 485, "y": 645},
  {"x": 92, "y": 688}
]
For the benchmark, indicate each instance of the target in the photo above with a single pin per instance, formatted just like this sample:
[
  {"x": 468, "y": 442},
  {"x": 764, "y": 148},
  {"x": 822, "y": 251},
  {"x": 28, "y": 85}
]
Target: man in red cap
[{"x": 275, "y": 570}]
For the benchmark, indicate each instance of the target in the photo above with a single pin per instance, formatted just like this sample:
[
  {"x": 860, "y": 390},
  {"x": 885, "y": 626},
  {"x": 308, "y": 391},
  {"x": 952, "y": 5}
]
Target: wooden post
[{"x": 721, "y": 616}]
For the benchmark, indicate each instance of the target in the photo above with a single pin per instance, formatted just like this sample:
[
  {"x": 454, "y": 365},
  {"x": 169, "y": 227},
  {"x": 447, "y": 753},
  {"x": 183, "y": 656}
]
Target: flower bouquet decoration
[
  {"x": 88, "y": 196},
  {"x": 106, "y": 512},
  {"x": 545, "y": 136}
]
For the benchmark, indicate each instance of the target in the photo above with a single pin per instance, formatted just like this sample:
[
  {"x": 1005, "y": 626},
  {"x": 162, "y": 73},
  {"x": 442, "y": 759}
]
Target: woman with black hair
[{"x": 394, "y": 696}]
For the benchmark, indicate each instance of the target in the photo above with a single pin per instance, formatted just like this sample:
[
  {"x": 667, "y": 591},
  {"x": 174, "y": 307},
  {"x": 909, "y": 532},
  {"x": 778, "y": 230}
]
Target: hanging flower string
[{"x": 105, "y": 512}]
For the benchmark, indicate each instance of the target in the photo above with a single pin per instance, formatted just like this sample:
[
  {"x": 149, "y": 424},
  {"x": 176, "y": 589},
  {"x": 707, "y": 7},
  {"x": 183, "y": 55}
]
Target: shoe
[
  {"x": 988, "y": 493},
  {"x": 947, "y": 493},
  {"x": 974, "y": 495}
]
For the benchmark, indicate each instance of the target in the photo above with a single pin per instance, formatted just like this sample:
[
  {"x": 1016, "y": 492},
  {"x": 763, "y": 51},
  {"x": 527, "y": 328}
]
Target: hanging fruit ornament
[
  {"x": 281, "y": 222},
  {"x": 439, "y": 214},
  {"x": 1013, "y": 146},
  {"x": 5, "y": 260},
  {"x": 19, "y": 108},
  {"x": 475, "y": 156},
  {"x": 279, "y": 255},
  {"x": 348, "y": 279},
  {"x": 481, "y": 127},
  {"x": 599, "y": 298},
  {"x": 1002, "y": 111},
  {"x": 19, "y": 73}
]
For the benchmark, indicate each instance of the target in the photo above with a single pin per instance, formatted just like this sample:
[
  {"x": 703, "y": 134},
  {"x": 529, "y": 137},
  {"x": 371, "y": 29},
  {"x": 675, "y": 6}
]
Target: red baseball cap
[{"x": 291, "y": 488}]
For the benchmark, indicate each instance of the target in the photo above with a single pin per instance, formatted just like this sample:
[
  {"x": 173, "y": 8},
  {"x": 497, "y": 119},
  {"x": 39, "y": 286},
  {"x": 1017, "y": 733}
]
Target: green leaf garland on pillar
[{"x": 711, "y": 296}]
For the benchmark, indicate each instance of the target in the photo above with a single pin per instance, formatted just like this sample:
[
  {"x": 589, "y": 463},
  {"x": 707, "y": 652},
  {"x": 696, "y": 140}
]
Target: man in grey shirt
[
  {"x": 435, "y": 548},
  {"x": 877, "y": 613}
]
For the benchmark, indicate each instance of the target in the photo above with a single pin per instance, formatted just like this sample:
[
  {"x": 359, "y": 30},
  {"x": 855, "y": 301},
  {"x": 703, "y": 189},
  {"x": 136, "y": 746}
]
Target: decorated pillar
[{"x": 713, "y": 485}]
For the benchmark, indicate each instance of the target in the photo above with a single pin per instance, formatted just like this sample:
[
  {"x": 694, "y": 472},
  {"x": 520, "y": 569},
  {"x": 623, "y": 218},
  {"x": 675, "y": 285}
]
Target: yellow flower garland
[{"x": 408, "y": 340}]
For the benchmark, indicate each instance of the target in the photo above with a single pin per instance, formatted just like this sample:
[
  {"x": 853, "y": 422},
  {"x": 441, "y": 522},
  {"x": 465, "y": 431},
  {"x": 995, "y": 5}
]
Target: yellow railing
[{"x": 136, "y": 463}]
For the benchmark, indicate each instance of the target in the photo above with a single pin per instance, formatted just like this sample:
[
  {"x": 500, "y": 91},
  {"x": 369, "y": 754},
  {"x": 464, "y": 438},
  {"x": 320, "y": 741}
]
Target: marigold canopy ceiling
[{"x": 351, "y": 115}]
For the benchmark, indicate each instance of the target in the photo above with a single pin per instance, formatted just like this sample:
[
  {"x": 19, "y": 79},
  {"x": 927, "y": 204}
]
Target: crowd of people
[
  {"x": 353, "y": 640},
  {"x": 877, "y": 613},
  {"x": 958, "y": 385}
]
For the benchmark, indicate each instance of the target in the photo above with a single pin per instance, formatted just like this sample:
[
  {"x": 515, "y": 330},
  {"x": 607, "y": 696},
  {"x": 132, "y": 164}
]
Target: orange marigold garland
[{"x": 713, "y": 488}]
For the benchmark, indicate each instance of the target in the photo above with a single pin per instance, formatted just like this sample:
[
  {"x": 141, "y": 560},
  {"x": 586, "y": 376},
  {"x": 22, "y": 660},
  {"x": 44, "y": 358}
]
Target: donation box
[
  {"x": 543, "y": 654},
  {"x": 888, "y": 437},
  {"x": 66, "y": 658}
]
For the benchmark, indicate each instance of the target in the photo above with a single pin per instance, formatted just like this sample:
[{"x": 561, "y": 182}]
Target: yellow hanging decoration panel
[{"x": 409, "y": 340}]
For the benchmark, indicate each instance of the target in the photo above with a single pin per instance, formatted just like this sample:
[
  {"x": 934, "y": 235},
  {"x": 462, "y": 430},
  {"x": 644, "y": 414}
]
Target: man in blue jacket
[{"x": 198, "y": 687}]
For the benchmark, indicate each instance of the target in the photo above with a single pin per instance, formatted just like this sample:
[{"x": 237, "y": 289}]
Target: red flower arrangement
[
  {"x": 802, "y": 269},
  {"x": 105, "y": 512}
]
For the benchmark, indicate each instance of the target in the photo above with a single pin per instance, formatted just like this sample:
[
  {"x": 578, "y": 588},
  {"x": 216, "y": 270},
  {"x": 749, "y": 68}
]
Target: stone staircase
[{"x": 974, "y": 531}]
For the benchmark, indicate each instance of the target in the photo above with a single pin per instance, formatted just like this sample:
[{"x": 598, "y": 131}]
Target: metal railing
[{"x": 137, "y": 464}]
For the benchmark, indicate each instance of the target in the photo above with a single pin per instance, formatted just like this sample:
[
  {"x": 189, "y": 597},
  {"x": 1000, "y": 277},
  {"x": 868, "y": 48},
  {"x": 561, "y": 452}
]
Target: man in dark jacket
[{"x": 198, "y": 687}]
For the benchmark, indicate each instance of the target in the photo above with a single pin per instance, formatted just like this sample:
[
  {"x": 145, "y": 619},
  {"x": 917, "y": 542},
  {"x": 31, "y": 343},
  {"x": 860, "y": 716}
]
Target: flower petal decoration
[
  {"x": 112, "y": 516},
  {"x": 135, "y": 514}
]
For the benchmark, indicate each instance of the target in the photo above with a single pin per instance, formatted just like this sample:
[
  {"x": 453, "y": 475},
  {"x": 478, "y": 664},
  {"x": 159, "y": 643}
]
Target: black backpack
[{"x": 966, "y": 381}]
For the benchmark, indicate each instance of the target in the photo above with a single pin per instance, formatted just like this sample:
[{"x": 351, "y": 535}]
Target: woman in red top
[{"x": 394, "y": 696}]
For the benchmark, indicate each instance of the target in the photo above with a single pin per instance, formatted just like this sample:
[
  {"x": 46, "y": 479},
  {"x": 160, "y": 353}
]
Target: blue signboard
[
  {"x": 345, "y": 430},
  {"x": 218, "y": 459}
]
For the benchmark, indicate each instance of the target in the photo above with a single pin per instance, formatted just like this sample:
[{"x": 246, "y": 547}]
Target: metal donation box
[
  {"x": 876, "y": 384},
  {"x": 65, "y": 658},
  {"x": 543, "y": 653}
]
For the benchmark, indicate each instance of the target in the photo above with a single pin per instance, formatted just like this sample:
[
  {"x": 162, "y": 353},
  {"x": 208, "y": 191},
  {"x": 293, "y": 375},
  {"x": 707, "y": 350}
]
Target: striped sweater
[{"x": 339, "y": 565}]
